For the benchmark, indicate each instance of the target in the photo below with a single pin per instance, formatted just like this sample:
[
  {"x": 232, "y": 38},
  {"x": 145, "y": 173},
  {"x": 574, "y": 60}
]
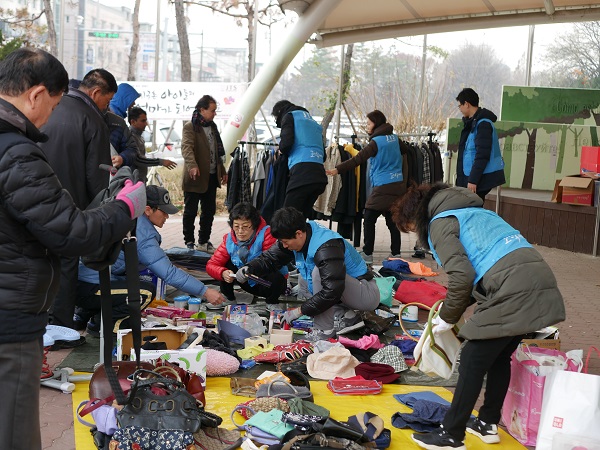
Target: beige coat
[{"x": 196, "y": 153}]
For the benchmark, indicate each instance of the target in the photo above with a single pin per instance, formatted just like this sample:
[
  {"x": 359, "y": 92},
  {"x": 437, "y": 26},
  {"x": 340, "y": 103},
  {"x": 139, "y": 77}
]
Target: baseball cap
[{"x": 158, "y": 197}]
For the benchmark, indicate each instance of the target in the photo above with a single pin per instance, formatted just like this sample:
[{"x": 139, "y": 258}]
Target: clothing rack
[{"x": 429, "y": 135}]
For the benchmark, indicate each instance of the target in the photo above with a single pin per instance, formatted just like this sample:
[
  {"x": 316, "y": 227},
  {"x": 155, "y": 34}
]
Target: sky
[{"x": 510, "y": 44}]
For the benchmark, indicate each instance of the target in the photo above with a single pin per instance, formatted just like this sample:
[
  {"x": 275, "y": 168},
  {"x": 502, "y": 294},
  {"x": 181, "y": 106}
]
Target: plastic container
[
  {"x": 181, "y": 301},
  {"x": 411, "y": 314},
  {"x": 194, "y": 304}
]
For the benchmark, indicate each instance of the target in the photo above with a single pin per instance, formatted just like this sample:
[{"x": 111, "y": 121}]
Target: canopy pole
[{"x": 268, "y": 75}]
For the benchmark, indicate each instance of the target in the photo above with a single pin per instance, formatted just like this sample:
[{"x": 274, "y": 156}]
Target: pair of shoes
[
  {"x": 366, "y": 258},
  {"x": 439, "y": 439},
  {"x": 190, "y": 245},
  {"x": 487, "y": 432},
  {"x": 60, "y": 345},
  {"x": 347, "y": 322},
  {"x": 319, "y": 335},
  {"x": 206, "y": 247}
]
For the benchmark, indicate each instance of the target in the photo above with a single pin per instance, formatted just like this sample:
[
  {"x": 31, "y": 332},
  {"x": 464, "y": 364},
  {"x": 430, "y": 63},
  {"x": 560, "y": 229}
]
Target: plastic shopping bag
[
  {"x": 523, "y": 402},
  {"x": 570, "y": 410}
]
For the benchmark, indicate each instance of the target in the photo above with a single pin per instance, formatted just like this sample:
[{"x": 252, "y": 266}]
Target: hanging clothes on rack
[
  {"x": 277, "y": 186},
  {"x": 326, "y": 201},
  {"x": 259, "y": 179},
  {"x": 238, "y": 179}
]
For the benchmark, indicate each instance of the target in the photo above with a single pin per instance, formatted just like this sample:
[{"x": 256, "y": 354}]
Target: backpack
[{"x": 107, "y": 254}]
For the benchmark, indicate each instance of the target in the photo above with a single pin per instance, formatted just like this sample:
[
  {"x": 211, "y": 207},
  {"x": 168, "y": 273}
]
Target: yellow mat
[{"x": 220, "y": 401}]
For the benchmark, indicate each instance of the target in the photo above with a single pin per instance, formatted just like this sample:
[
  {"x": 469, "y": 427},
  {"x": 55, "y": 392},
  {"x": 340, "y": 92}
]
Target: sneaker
[
  {"x": 318, "y": 335},
  {"x": 439, "y": 439},
  {"x": 190, "y": 245},
  {"x": 347, "y": 323},
  {"x": 366, "y": 258},
  {"x": 392, "y": 255},
  {"x": 487, "y": 432},
  {"x": 206, "y": 247},
  {"x": 60, "y": 345},
  {"x": 93, "y": 328}
]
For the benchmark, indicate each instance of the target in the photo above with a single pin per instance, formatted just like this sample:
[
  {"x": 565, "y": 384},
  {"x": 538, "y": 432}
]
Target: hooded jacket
[
  {"x": 517, "y": 295},
  {"x": 119, "y": 130},
  {"x": 483, "y": 145},
  {"x": 381, "y": 197},
  {"x": 39, "y": 222}
]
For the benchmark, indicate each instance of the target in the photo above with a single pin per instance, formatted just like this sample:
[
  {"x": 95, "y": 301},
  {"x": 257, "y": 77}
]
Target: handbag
[
  {"x": 529, "y": 369},
  {"x": 99, "y": 385},
  {"x": 285, "y": 390},
  {"x": 160, "y": 404},
  {"x": 379, "y": 320},
  {"x": 304, "y": 407},
  {"x": 319, "y": 441},
  {"x": 570, "y": 410},
  {"x": 243, "y": 386},
  {"x": 207, "y": 438},
  {"x": 264, "y": 404},
  {"x": 354, "y": 387},
  {"x": 302, "y": 422},
  {"x": 437, "y": 355},
  {"x": 420, "y": 291},
  {"x": 141, "y": 438},
  {"x": 105, "y": 418},
  {"x": 385, "y": 286},
  {"x": 270, "y": 422}
]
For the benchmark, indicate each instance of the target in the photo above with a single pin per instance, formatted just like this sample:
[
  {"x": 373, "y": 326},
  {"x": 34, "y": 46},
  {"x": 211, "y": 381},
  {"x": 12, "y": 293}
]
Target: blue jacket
[
  {"x": 386, "y": 165},
  {"x": 152, "y": 257}
]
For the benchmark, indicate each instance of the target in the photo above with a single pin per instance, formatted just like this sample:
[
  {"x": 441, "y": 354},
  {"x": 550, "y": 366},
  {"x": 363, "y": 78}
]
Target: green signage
[{"x": 103, "y": 34}]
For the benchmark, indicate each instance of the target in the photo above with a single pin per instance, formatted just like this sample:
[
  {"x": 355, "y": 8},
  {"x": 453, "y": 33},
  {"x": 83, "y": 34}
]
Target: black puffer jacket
[
  {"x": 39, "y": 221},
  {"x": 483, "y": 144},
  {"x": 329, "y": 258}
]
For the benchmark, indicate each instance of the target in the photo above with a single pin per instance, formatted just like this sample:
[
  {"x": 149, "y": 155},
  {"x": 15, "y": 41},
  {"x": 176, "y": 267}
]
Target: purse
[
  {"x": 141, "y": 438},
  {"x": 437, "y": 355},
  {"x": 285, "y": 390},
  {"x": 99, "y": 385},
  {"x": 160, "y": 404},
  {"x": 264, "y": 404},
  {"x": 379, "y": 320},
  {"x": 385, "y": 286},
  {"x": 420, "y": 291},
  {"x": 217, "y": 439},
  {"x": 354, "y": 387},
  {"x": 304, "y": 407},
  {"x": 270, "y": 422},
  {"x": 243, "y": 386}
]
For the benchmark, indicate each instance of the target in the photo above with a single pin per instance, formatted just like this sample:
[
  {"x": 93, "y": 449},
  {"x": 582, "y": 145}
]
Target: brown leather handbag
[{"x": 99, "y": 385}]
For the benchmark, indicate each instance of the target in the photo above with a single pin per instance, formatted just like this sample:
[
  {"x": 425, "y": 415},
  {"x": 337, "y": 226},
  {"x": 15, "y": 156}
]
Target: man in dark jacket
[
  {"x": 39, "y": 221},
  {"x": 78, "y": 143},
  {"x": 480, "y": 166},
  {"x": 302, "y": 143},
  {"x": 338, "y": 279}
]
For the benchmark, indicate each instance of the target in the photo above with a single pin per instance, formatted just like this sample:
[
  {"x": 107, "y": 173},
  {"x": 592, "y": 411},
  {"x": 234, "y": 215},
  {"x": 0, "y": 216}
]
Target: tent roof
[{"x": 366, "y": 20}]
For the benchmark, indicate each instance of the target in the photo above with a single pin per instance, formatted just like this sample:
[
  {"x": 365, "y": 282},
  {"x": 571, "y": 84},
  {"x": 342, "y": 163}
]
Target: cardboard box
[
  {"x": 590, "y": 159},
  {"x": 553, "y": 344},
  {"x": 577, "y": 190},
  {"x": 281, "y": 337},
  {"x": 173, "y": 336},
  {"x": 557, "y": 192},
  {"x": 191, "y": 359}
]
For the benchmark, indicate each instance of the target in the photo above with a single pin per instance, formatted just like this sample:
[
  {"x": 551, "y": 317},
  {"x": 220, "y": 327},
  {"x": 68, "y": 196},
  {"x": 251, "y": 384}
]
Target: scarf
[
  {"x": 198, "y": 122},
  {"x": 244, "y": 247}
]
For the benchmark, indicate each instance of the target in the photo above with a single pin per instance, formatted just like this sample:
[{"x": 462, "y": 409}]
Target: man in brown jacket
[{"x": 203, "y": 172}]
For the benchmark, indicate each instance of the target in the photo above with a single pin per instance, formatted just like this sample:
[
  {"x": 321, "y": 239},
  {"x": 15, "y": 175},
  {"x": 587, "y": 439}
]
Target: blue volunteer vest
[
  {"x": 386, "y": 166},
  {"x": 355, "y": 265},
  {"x": 494, "y": 164},
  {"x": 254, "y": 251},
  {"x": 485, "y": 236},
  {"x": 308, "y": 143}
]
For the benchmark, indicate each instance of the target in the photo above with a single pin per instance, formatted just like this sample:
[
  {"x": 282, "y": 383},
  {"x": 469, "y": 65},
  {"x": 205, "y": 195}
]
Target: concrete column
[{"x": 264, "y": 81}]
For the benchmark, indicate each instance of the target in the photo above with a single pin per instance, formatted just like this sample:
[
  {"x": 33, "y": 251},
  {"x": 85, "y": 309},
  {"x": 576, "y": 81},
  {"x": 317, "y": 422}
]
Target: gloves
[
  {"x": 440, "y": 325},
  {"x": 134, "y": 195},
  {"x": 290, "y": 315},
  {"x": 242, "y": 275}
]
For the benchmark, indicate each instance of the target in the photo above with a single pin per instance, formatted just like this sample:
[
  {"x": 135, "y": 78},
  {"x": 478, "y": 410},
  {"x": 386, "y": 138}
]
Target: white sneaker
[{"x": 207, "y": 247}]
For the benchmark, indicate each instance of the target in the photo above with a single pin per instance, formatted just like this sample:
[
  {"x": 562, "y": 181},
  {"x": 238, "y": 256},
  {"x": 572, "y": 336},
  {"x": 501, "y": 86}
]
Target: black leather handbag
[{"x": 160, "y": 403}]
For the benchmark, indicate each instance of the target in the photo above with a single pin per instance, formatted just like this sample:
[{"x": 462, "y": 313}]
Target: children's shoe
[
  {"x": 438, "y": 440},
  {"x": 487, "y": 432}
]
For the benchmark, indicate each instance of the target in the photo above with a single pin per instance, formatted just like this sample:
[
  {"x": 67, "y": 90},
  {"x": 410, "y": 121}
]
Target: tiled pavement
[{"x": 578, "y": 277}]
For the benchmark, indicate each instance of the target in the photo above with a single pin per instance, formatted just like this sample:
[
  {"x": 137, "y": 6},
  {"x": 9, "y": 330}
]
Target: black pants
[
  {"x": 478, "y": 358},
  {"x": 370, "y": 219},
  {"x": 271, "y": 294},
  {"x": 89, "y": 300},
  {"x": 208, "y": 208},
  {"x": 304, "y": 198},
  {"x": 63, "y": 308}
]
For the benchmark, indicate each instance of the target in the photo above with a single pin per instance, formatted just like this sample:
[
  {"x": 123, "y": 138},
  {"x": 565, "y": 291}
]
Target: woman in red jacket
[{"x": 249, "y": 237}]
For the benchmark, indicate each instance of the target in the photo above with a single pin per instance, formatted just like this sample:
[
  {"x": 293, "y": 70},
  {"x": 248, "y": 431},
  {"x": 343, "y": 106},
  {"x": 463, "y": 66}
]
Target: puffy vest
[
  {"x": 254, "y": 251},
  {"x": 308, "y": 143},
  {"x": 386, "y": 166},
  {"x": 485, "y": 236},
  {"x": 355, "y": 265},
  {"x": 494, "y": 164}
]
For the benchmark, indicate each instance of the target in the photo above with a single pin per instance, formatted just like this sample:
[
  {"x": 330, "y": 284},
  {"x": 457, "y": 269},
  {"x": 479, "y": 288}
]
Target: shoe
[
  {"x": 60, "y": 345},
  {"x": 206, "y": 247},
  {"x": 93, "y": 328},
  {"x": 439, "y": 439},
  {"x": 487, "y": 432},
  {"x": 79, "y": 322},
  {"x": 319, "y": 335},
  {"x": 190, "y": 245},
  {"x": 392, "y": 255},
  {"x": 366, "y": 258},
  {"x": 347, "y": 323}
]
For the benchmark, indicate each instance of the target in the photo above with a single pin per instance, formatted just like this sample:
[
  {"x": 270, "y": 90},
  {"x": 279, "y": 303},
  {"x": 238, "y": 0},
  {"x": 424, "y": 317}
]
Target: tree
[
  {"x": 574, "y": 57},
  {"x": 184, "y": 43},
  {"x": 8, "y": 46},
  {"x": 25, "y": 26},
  {"x": 345, "y": 85},
  {"x": 51, "y": 29},
  {"x": 135, "y": 42}
]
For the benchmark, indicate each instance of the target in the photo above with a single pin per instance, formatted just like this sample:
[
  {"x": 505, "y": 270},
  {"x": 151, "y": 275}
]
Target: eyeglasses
[{"x": 245, "y": 227}]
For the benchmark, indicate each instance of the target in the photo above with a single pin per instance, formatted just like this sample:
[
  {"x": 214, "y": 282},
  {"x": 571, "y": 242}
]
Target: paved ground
[{"x": 578, "y": 277}]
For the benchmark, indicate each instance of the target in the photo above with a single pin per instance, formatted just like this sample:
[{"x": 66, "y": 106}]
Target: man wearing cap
[{"x": 151, "y": 256}]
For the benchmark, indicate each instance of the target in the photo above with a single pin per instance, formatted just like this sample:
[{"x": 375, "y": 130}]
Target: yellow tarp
[{"x": 220, "y": 401}]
